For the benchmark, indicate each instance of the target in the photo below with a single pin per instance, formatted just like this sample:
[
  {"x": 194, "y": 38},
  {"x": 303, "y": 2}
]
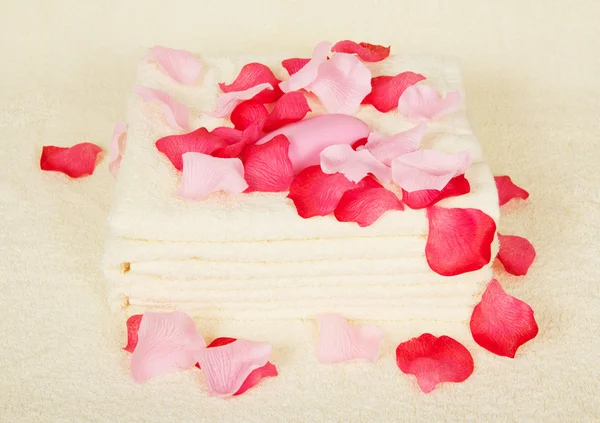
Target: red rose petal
[
  {"x": 501, "y": 323},
  {"x": 365, "y": 205},
  {"x": 248, "y": 112},
  {"x": 199, "y": 141},
  {"x": 249, "y": 136},
  {"x": 516, "y": 254},
  {"x": 386, "y": 90},
  {"x": 359, "y": 143},
  {"x": 267, "y": 167},
  {"x": 459, "y": 185},
  {"x": 294, "y": 65},
  {"x": 254, "y": 74},
  {"x": 133, "y": 326},
  {"x": 459, "y": 240},
  {"x": 77, "y": 161},
  {"x": 434, "y": 360},
  {"x": 367, "y": 52},
  {"x": 229, "y": 135},
  {"x": 290, "y": 108},
  {"x": 507, "y": 190}
]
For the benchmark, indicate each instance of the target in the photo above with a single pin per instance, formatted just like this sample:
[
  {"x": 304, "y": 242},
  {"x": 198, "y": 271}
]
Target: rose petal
[
  {"x": 308, "y": 73},
  {"x": 341, "y": 83},
  {"x": 365, "y": 205},
  {"x": 198, "y": 141},
  {"x": 76, "y": 161},
  {"x": 501, "y": 323},
  {"x": 251, "y": 75},
  {"x": 386, "y": 90},
  {"x": 294, "y": 65},
  {"x": 204, "y": 174},
  {"x": 385, "y": 149},
  {"x": 180, "y": 65},
  {"x": 117, "y": 144},
  {"x": 507, "y": 190},
  {"x": 133, "y": 327},
  {"x": 428, "y": 169},
  {"x": 176, "y": 114},
  {"x": 359, "y": 143},
  {"x": 516, "y": 254},
  {"x": 434, "y": 360},
  {"x": 459, "y": 240},
  {"x": 367, "y": 52},
  {"x": 459, "y": 185},
  {"x": 353, "y": 164},
  {"x": 340, "y": 341},
  {"x": 422, "y": 102},
  {"x": 229, "y": 135},
  {"x": 290, "y": 108},
  {"x": 167, "y": 342},
  {"x": 267, "y": 167},
  {"x": 248, "y": 112},
  {"x": 227, "y": 102},
  {"x": 249, "y": 136},
  {"x": 226, "y": 367}
]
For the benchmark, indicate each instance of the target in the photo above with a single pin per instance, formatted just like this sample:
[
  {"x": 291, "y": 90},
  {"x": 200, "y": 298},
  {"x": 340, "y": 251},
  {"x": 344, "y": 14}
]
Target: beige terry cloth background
[{"x": 531, "y": 70}]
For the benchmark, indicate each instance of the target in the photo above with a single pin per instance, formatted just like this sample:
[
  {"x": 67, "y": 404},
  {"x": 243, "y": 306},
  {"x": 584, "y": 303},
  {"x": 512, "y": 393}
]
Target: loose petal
[
  {"x": 117, "y": 148},
  {"x": 428, "y": 169},
  {"x": 367, "y": 52},
  {"x": 175, "y": 113},
  {"x": 308, "y": 73},
  {"x": 359, "y": 143},
  {"x": 501, "y": 323},
  {"x": 204, "y": 174},
  {"x": 180, "y": 65},
  {"x": 459, "y": 240},
  {"x": 355, "y": 165},
  {"x": 198, "y": 141},
  {"x": 386, "y": 90},
  {"x": 516, "y": 254},
  {"x": 230, "y": 135},
  {"x": 133, "y": 327},
  {"x": 76, "y": 161},
  {"x": 459, "y": 185},
  {"x": 290, "y": 108},
  {"x": 248, "y": 112},
  {"x": 507, "y": 190},
  {"x": 251, "y": 75},
  {"x": 434, "y": 360},
  {"x": 339, "y": 341},
  {"x": 365, "y": 205},
  {"x": 385, "y": 149},
  {"x": 167, "y": 342},
  {"x": 228, "y": 101},
  {"x": 248, "y": 136},
  {"x": 422, "y": 102},
  {"x": 294, "y": 65},
  {"x": 267, "y": 167}
]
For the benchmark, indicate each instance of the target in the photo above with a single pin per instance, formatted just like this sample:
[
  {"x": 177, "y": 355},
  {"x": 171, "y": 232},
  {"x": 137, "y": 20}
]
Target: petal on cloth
[
  {"x": 294, "y": 65},
  {"x": 117, "y": 148},
  {"x": 367, "y": 52},
  {"x": 516, "y": 254},
  {"x": 198, "y": 141},
  {"x": 386, "y": 90},
  {"x": 365, "y": 205},
  {"x": 181, "y": 65},
  {"x": 422, "y": 102},
  {"x": 248, "y": 137},
  {"x": 459, "y": 185},
  {"x": 267, "y": 167},
  {"x": 250, "y": 76},
  {"x": 248, "y": 112},
  {"x": 308, "y": 73},
  {"x": 230, "y": 135},
  {"x": 290, "y": 108},
  {"x": 75, "y": 162},
  {"x": 133, "y": 327},
  {"x": 386, "y": 148},
  {"x": 353, "y": 164},
  {"x": 176, "y": 114},
  {"x": 227, "y": 102},
  {"x": 507, "y": 190}
]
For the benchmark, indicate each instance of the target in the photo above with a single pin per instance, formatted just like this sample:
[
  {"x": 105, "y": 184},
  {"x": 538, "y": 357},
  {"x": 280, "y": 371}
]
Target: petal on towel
[
  {"x": 501, "y": 323},
  {"x": 181, "y": 65},
  {"x": 248, "y": 136},
  {"x": 117, "y": 148},
  {"x": 267, "y": 167},
  {"x": 198, "y": 141},
  {"x": 290, "y": 108},
  {"x": 516, "y": 254},
  {"x": 248, "y": 112},
  {"x": 459, "y": 240},
  {"x": 434, "y": 360},
  {"x": 386, "y": 90},
  {"x": 386, "y": 148},
  {"x": 365, "y": 205},
  {"x": 227, "y": 367},
  {"x": 459, "y": 185},
  {"x": 252, "y": 75},
  {"x": 294, "y": 65},
  {"x": 230, "y": 135},
  {"x": 355, "y": 165},
  {"x": 176, "y": 114},
  {"x": 76, "y": 161},
  {"x": 341, "y": 83},
  {"x": 204, "y": 174},
  {"x": 228, "y": 101},
  {"x": 167, "y": 342},
  {"x": 422, "y": 102},
  {"x": 340, "y": 341},
  {"x": 367, "y": 52},
  {"x": 428, "y": 169},
  {"x": 507, "y": 190},
  {"x": 308, "y": 73},
  {"x": 133, "y": 326}
]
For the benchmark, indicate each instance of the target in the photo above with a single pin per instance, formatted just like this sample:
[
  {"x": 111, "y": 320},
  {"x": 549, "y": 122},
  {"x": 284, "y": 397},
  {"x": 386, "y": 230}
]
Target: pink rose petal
[
  {"x": 459, "y": 240},
  {"x": 294, "y": 65},
  {"x": 267, "y": 167},
  {"x": 459, "y": 185},
  {"x": 428, "y": 169},
  {"x": 76, "y": 161},
  {"x": 353, "y": 164},
  {"x": 386, "y": 90},
  {"x": 501, "y": 323},
  {"x": 247, "y": 113},
  {"x": 198, "y": 141},
  {"x": 365, "y": 205},
  {"x": 180, "y": 65},
  {"x": 227, "y": 102},
  {"x": 176, "y": 114},
  {"x": 422, "y": 102},
  {"x": 367, "y": 52},
  {"x": 386, "y": 148},
  {"x": 339, "y": 341},
  {"x": 434, "y": 360},
  {"x": 290, "y": 108},
  {"x": 249, "y": 136},
  {"x": 204, "y": 174},
  {"x": 117, "y": 148},
  {"x": 507, "y": 190},
  {"x": 308, "y": 73},
  {"x": 516, "y": 254},
  {"x": 251, "y": 75},
  {"x": 133, "y": 327},
  {"x": 167, "y": 342}
]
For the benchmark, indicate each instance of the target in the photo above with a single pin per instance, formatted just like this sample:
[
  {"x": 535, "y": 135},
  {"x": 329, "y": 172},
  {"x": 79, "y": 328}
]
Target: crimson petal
[
  {"x": 229, "y": 135},
  {"x": 248, "y": 112},
  {"x": 294, "y": 65},
  {"x": 290, "y": 108},
  {"x": 267, "y": 167},
  {"x": 249, "y": 136},
  {"x": 367, "y": 52},
  {"x": 359, "y": 143},
  {"x": 516, "y": 254},
  {"x": 76, "y": 161},
  {"x": 133, "y": 326},
  {"x": 254, "y": 74},
  {"x": 507, "y": 190},
  {"x": 365, "y": 205},
  {"x": 386, "y": 90},
  {"x": 459, "y": 185},
  {"x": 198, "y": 141}
]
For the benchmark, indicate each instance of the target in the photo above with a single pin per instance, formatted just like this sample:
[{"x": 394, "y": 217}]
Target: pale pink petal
[
  {"x": 308, "y": 72},
  {"x": 428, "y": 169},
  {"x": 175, "y": 113},
  {"x": 117, "y": 147},
  {"x": 226, "y": 367},
  {"x": 422, "y": 102},
  {"x": 354, "y": 165},
  {"x": 386, "y": 148},
  {"x": 167, "y": 342},
  {"x": 114, "y": 167},
  {"x": 226, "y": 102},
  {"x": 180, "y": 65},
  {"x": 340, "y": 341},
  {"x": 204, "y": 174}
]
